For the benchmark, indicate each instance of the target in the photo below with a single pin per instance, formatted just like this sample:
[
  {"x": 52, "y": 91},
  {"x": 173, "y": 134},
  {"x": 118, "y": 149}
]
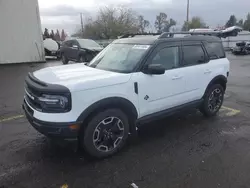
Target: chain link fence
[{"x": 230, "y": 42}]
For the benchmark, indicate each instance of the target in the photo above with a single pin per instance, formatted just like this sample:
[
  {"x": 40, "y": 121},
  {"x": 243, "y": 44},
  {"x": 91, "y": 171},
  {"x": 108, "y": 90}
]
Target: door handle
[
  {"x": 176, "y": 77},
  {"x": 207, "y": 71}
]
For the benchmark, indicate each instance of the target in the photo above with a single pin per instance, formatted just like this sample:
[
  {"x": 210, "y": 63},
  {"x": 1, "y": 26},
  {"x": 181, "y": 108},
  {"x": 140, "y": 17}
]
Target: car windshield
[
  {"x": 86, "y": 43},
  {"x": 119, "y": 57}
]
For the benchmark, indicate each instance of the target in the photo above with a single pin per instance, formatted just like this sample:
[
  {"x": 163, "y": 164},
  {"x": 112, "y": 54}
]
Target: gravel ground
[{"x": 182, "y": 151}]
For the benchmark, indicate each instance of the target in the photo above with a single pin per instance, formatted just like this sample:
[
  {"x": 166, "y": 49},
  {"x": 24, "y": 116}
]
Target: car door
[
  {"x": 194, "y": 62},
  {"x": 74, "y": 50},
  {"x": 67, "y": 49},
  {"x": 160, "y": 92},
  {"x": 218, "y": 63}
]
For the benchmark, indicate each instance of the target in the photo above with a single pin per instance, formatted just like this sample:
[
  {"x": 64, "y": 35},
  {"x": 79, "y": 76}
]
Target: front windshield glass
[
  {"x": 86, "y": 43},
  {"x": 119, "y": 57}
]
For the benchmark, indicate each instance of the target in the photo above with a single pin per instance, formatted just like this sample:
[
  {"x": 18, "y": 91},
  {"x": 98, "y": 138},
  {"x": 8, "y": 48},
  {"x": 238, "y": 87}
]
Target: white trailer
[{"x": 20, "y": 32}]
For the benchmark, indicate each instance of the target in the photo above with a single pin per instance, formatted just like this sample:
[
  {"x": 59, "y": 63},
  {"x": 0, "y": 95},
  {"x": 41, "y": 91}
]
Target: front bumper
[
  {"x": 55, "y": 53},
  {"x": 56, "y": 130}
]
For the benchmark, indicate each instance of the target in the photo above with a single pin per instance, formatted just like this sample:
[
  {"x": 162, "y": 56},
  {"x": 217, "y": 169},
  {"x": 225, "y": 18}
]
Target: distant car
[
  {"x": 79, "y": 50},
  {"x": 51, "y": 48},
  {"x": 241, "y": 48}
]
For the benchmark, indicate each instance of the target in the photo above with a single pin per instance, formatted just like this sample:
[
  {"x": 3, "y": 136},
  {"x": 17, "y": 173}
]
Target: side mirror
[
  {"x": 75, "y": 46},
  {"x": 154, "y": 69}
]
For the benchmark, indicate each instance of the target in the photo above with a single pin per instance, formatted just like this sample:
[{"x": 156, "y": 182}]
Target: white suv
[{"x": 133, "y": 80}]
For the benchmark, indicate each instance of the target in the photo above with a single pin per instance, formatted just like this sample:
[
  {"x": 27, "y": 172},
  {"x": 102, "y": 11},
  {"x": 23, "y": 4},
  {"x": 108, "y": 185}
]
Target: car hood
[
  {"x": 78, "y": 77},
  {"x": 93, "y": 48}
]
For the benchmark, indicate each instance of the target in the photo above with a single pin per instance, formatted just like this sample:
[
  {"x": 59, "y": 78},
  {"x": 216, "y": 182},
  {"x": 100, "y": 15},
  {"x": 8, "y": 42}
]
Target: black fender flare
[
  {"x": 112, "y": 102},
  {"x": 220, "y": 79}
]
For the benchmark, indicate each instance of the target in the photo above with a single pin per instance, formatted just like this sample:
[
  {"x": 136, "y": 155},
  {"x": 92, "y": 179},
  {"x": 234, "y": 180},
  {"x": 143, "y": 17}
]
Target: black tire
[
  {"x": 58, "y": 57},
  {"x": 207, "y": 106},
  {"x": 81, "y": 59},
  {"x": 64, "y": 59},
  {"x": 93, "y": 138}
]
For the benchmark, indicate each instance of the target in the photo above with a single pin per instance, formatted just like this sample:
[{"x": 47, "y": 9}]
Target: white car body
[
  {"x": 130, "y": 82},
  {"x": 89, "y": 85}
]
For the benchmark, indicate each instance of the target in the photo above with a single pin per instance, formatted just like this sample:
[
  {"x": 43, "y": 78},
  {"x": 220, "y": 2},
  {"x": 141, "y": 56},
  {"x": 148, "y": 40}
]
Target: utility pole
[
  {"x": 81, "y": 23},
  {"x": 187, "y": 10},
  {"x": 187, "y": 14}
]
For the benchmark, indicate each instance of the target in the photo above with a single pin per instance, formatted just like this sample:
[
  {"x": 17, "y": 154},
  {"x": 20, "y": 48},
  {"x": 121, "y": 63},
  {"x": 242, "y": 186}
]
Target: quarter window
[
  {"x": 74, "y": 43},
  {"x": 68, "y": 43},
  {"x": 215, "y": 50},
  {"x": 168, "y": 57},
  {"x": 193, "y": 55}
]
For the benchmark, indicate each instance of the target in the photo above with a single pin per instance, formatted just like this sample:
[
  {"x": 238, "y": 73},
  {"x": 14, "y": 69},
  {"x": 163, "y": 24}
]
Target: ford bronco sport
[{"x": 132, "y": 81}]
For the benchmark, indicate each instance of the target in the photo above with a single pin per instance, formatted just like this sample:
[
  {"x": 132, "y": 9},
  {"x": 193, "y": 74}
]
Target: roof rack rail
[
  {"x": 128, "y": 35},
  {"x": 171, "y": 34},
  {"x": 231, "y": 31}
]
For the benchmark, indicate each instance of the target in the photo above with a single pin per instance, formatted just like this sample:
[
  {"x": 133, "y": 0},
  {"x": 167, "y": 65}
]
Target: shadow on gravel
[{"x": 152, "y": 138}]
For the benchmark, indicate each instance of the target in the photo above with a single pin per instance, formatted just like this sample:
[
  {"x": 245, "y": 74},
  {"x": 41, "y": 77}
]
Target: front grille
[
  {"x": 32, "y": 91},
  {"x": 27, "y": 108},
  {"x": 31, "y": 97}
]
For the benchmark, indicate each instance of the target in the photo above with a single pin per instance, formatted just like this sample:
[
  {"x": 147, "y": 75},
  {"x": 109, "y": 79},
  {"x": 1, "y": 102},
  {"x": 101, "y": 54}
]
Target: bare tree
[
  {"x": 111, "y": 22},
  {"x": 143, "y": 24},
  {"x": 160, "y": 22},
  {"x": 57, "y": 35},
  {"x": 63, "y": 35},
  {"x": 52, "y": 35}
]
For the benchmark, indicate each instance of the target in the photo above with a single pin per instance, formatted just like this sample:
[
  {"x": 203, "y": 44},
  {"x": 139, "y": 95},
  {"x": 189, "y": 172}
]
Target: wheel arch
[
  {"x": 220, "y": 79},
  {"x": 81, "y": 53},
  {"x": 112, "y": 102}
]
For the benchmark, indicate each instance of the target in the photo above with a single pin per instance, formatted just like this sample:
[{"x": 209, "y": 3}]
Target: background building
[{"x": 20, "y": 32}]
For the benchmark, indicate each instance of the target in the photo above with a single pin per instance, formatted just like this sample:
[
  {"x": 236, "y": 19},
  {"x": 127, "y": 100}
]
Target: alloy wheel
[
  {"x": 215, "y": 100},
  {"x": 108, "y": 134}
]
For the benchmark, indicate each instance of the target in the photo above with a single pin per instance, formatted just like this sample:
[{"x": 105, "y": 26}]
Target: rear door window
[
  {"x": 192, "y": 55},
  {"x": 168, "y": 57}
]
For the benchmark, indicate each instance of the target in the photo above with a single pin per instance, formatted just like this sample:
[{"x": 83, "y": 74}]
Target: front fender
[{"x": 110, "y": 102}]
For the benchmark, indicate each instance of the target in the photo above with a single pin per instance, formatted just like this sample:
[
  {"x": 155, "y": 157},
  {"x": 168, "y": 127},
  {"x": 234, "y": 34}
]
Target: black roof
[
  {"x": 137, "y": 40},
  {"x": 152, "y": 39}
]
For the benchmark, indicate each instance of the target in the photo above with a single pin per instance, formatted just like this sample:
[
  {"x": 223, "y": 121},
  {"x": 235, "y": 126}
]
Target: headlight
[{"x": 54, "y": 103}]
